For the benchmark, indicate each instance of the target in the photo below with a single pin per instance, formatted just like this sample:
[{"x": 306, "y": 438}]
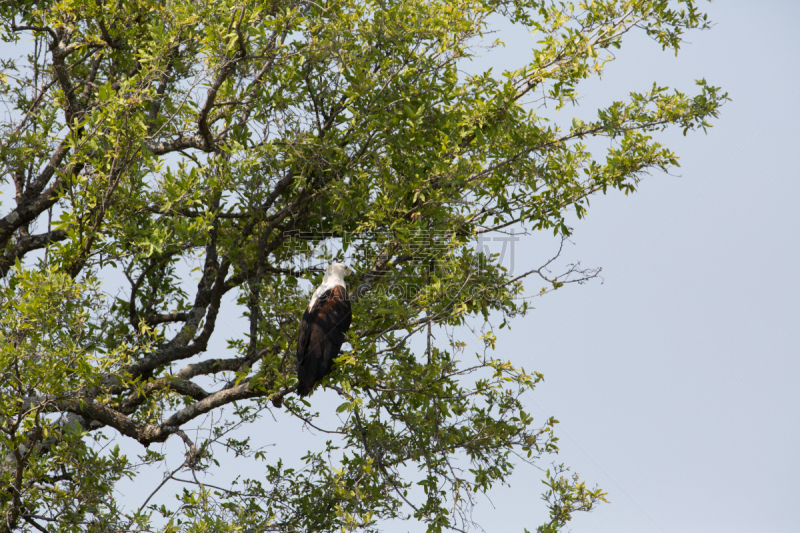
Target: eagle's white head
[{"x": 338, "y": 270}]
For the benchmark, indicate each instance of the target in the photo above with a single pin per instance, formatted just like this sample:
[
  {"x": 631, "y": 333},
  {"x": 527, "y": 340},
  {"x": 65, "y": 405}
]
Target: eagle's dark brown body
[{"x": 321, "y": 337}]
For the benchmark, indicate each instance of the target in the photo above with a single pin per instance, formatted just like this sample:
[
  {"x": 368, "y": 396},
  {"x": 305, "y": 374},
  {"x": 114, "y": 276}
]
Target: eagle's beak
[{"x": 349, "y": 271}]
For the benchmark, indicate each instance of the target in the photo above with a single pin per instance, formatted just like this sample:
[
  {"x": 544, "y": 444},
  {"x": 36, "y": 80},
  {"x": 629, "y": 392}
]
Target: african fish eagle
[{"x": 322, "y": 328}]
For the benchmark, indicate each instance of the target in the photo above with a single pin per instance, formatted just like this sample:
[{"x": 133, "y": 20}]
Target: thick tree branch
[
  {"x": 27, "y": 244},
  {"x": 183, "y": 142}
]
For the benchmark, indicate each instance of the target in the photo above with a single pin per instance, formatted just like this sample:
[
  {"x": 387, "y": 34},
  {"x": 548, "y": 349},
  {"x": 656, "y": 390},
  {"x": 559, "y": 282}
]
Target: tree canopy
[{"x": 176, "y": 161}]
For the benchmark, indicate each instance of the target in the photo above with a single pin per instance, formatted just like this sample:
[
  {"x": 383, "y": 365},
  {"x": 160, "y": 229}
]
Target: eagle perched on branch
[{"x": 322, "y": 328}]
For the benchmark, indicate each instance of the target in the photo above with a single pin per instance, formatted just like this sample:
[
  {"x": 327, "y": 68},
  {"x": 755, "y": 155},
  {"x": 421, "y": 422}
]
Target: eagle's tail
[{"x": 304, "y": 388}]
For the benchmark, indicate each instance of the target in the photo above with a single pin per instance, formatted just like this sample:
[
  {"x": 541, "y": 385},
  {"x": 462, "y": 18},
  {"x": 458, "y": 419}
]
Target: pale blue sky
[{"x": 676, "y": 379}]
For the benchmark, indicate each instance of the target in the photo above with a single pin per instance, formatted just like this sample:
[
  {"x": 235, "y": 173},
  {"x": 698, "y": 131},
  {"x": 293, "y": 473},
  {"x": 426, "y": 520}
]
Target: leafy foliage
[{"x": 239, "y": 136}]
